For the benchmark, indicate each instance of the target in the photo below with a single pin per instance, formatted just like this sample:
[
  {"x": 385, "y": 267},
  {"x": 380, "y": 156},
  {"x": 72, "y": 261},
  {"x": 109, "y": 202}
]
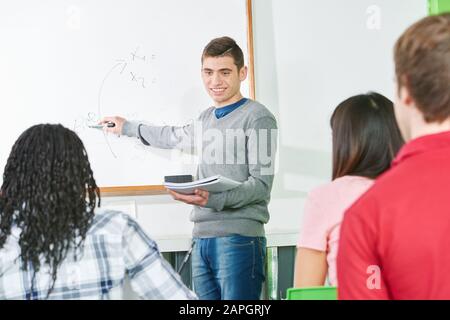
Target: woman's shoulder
[{"x": 343, "y": 187}]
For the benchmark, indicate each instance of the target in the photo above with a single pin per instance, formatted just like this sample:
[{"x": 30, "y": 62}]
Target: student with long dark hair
[
  {"x": 55, "y": 244},
  {"x": 365, "y": 140}
]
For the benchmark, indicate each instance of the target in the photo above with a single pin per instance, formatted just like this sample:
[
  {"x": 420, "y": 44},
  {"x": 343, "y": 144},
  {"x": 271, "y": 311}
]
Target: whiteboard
[{"x": 73, "y": 62}]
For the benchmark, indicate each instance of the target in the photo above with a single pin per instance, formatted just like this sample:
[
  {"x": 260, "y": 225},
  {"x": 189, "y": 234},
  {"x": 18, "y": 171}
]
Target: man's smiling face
[{"x": 222, "y": 79}]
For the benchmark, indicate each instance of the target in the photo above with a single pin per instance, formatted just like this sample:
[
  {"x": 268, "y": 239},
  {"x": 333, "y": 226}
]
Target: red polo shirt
[{"x": 395, "y": 240}]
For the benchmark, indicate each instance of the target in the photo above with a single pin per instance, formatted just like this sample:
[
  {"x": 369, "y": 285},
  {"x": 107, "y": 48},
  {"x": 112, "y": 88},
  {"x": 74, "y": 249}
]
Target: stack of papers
[{"x": 212, "y": 184}]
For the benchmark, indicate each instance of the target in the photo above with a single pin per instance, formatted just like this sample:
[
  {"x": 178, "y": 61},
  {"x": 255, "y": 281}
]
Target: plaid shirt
[{"x": 115, "y": 248}]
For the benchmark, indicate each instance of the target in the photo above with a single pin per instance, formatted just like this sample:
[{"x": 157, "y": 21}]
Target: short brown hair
[
  {"x": 223, "y": 47},
  {"x": 366, "y": 137},
  {"x": 422, "y": 60}
]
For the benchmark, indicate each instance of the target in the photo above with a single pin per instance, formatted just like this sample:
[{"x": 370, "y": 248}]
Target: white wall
[
  {"x": 309, "y": 56},
  {"x": 160, "y": 216}
]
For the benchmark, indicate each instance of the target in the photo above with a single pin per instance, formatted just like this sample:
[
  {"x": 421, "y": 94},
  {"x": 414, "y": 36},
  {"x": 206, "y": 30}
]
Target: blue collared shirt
[{"x": 222, "y": 112}]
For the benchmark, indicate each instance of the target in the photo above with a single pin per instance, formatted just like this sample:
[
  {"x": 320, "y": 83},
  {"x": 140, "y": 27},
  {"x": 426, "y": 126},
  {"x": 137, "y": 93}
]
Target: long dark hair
[
  {"x": 49, "y": 193},
  {"x": 366, "y": 136}
]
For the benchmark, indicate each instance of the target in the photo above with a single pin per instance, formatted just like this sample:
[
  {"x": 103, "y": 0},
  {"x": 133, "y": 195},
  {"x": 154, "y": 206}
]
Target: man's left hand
[{"x": 200, "y": 198}]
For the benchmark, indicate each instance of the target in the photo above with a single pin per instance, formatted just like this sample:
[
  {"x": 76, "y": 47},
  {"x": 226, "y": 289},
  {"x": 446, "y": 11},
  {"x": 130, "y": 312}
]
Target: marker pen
[{"x": 100, "y": 126}]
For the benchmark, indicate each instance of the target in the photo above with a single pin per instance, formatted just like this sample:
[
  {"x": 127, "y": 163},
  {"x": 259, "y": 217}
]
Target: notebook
[{"x": 213, "y": 184}]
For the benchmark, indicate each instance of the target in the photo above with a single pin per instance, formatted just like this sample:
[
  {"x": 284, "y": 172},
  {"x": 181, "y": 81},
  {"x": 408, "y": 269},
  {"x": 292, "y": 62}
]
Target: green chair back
[
  {"x": 438, "y": 6},
  {"x": 312, "y": 293}
]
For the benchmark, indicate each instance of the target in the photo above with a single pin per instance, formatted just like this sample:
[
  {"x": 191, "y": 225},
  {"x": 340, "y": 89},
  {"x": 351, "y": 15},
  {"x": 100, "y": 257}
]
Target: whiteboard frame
[{"x": 160, "y": 189}]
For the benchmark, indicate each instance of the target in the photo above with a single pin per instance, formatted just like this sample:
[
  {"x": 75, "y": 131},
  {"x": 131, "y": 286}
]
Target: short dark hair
[
  {"x": 422, "y": 62},
  {"x": 48, "y": 191},
  {"x": 224, "y": 47},
  {"x": 366, "y": 136}
]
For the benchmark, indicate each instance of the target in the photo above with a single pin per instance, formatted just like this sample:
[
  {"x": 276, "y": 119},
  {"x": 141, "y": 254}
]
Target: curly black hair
[{"x": 49, "y": 193}]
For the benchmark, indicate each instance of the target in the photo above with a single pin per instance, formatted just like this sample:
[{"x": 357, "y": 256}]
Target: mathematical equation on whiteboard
[
  {"x": 124, "y": 64},
  {"x": 132, "y": 69}
]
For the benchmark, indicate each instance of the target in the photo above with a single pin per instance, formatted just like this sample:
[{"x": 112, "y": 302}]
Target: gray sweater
[{"x": 240, "y": 146}]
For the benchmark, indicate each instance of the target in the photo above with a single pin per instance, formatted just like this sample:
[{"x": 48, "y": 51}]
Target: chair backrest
[
  {"x": 312, "y": 293},
  {"x": 438, "y": 6}
]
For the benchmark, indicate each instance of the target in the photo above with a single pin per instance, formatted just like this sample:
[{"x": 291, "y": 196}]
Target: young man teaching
[{"x": 238, "y": 138}]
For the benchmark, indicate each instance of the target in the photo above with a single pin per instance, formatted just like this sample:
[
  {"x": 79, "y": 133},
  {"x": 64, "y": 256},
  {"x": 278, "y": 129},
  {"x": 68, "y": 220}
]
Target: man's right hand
[{"x": 118, "y": 121}]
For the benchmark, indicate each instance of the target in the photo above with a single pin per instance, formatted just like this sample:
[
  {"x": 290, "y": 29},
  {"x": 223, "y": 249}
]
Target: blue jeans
[{"x": 229, "y": 268}]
